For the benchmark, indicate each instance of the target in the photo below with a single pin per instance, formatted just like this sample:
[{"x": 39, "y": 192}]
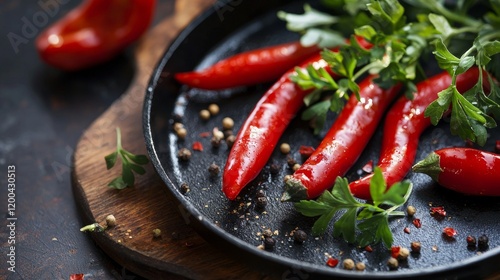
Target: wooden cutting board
[{"x": 179, "y": 252}]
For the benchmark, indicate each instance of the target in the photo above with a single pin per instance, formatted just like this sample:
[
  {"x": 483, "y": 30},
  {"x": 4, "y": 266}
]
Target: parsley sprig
[
  {"x": 360, "y": 222},
  {"x": 130, "y": 163},
  {"x": 406, "y": 35}
]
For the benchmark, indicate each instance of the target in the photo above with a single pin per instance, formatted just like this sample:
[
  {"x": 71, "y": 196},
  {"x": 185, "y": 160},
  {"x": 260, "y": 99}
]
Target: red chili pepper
[
  {"x": 94, "y": 32},
  {"x": 404, "y": 123},
  {"x": 449, "y": 232},
  {"x": 417, "y": 223},
  {"x": 465, "y": 170},
  {"x": 260, "y": 133},
  {"x": 248, "y": 68},
  {"x": 263, "y": 128},
  {"x": 332, "y": 262},
  {"x": 343, "y": 144}
]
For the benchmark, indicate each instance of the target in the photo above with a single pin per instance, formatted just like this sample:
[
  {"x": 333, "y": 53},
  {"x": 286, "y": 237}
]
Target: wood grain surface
[{"x": 179, "y": 252}]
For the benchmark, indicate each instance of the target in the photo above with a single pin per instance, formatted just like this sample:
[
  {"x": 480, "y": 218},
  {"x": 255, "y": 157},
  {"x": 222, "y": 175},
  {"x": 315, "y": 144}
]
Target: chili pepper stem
[
  {"x": 294, "y": 191},
  {"x": 429, "y": 165}
]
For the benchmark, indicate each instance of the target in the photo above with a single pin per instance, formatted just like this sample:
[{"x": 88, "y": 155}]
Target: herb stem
[{"x": 465, "y": 20}]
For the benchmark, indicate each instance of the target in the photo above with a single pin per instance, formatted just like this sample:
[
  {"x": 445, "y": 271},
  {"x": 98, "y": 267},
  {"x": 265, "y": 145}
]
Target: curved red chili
[
  {"x": 465, "y": 170},
  {"x": 94, "y": 32},
  {"x": 404, "y": 123},
  {"x": 342, "y": 144},
  {"x": 261, "y": 131},
  {"x": 248, "y": 68}
]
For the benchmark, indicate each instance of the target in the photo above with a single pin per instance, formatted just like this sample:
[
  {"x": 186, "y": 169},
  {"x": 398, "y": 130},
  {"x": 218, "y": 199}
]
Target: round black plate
[{"x": 232, "y": 27}]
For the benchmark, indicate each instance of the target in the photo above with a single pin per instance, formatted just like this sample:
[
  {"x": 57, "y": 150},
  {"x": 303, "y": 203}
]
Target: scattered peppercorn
[
  {"x": 181, "y": 133},
  {"x": 185, "y": 188},
  {"x": 471, "y": 241},
  {"x": 299, "y": 236},
  {"x": 296, "y": 166},
  {"x": 110, "y": 220},
  {"x": 184, "y": 154},
  {"x": 267, "y": 233},
  {"x": 348, "y": 264},
  {"x": 406, "y": 230},
  {"x": 274, "y": 168},
  {"x": 227, "y": 133},
  {"x": 230, "y": 140},
  {"x": 411, "y": 210},
  {"x": 291, "y": 162},
  {"x": 213, "y": 109},
  {"x": 178, "y": 126},
  {"x": 260, "y": 193},
  {"x": 269, "y": 243},
  {"x": 218, "y": 134},
  {"x": 403, "y": 254},
  {"x": 204, "y": 114},
  {"x": 156, "y": 233},
  {"x": 392, "y": 263},
  {"x": 482, "y": 242},
  {"x": 285, "y": 148},
  {"x": 214, "y": 169},
  {"x": 360, "y": 266},
  {"x": 261, "y": 202},
  {"x": 215, "y": 142},
  {"x": 227, "y": 123},
  {"x": 415, "y": 246}
]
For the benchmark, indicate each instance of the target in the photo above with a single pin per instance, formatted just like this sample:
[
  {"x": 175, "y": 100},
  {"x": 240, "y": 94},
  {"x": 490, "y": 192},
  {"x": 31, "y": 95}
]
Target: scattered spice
[
  {"x": 181, "y": 133},
  {"x": 449, "y": 232},
  {"x": 214, "y": 169},
  {"x": 417, "y": 223},
  {"x": 415, "y": 246},
  {"x": 392, "y": 263},
  {"x": 369, "y": 248},
  {"x": 306, "y": 151},
  {"x": 296, "y": 166},
  {"x": 78, "y": 276},
  {"x": 290, "y": 161},
  {"x": 395, "y": 251},
  {"x": 269, "y": 243},
  {"x": 156, "y": 233},
  {"x": 360, "y": 266},
  {"x": 348, "y": 264},
  {"x": 215, "y": 142},
  {"x": 471, "y": 241},
  {"x": 403, "y": 254},
  {"x": 299, "y": 236},
  {"x": 185, "y": 188},
  {"x": 411, "y": 210},
  {"x": 267, "y": 233},
  {"x": 110, "y": 220},
  {"x": 482, "y": 242},
  {"x": 261, "y": 202},
  {"x": 285, "y": 148},
  {"x": 204, "y": 114},
  {"x": 406, "y": 230},
  {"x": 204, "y": 134},
  {"x": 197, "y": 146},
  {"x": 497, "y": 147},
  {"x": 368, "y": 167},
  {"x": 227, "y": 123},
  {"x": 184, "y": 154},
  {"x": 332, "y": 262},
  {"x": 230, "y": 140},
  {"x": 437, "y": 211},
  {"x": 274, "y": 168},
  {"x": 213, "y": 109},
  {"x": 227, "y": 133}
]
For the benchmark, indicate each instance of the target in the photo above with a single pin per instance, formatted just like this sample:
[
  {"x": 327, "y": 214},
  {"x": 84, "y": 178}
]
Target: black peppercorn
[
  {"x": 482, "y": 242},
  {"x": 274, "y": 168},
  {"x": 269, "y": 243},
  {"x": 261, "y": 201},
  {"x": 299, "y": 236},
  {"x": 471, "y": 241},
  {"x": 184, "y": 154},
  {"x": 214, "y": 169},
  {"x": 184, "y": 188},
  {"x": 291, "y": 162}
]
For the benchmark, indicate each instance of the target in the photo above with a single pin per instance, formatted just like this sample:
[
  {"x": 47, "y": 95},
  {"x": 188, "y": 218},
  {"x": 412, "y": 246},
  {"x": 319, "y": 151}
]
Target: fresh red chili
[
  {"x": 249, "y": 68},
  {"x": 343, "y": 143},
  {"x": 465, "y": 170},
  {"x": 404, "y": 123},
  {"x": 94, "y": 32},
  {"x": 260, "y": 133}
]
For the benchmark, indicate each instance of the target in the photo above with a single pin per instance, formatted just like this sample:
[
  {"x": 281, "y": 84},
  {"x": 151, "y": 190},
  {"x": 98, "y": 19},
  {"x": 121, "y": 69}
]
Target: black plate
[{"x": 237, "y": 26}]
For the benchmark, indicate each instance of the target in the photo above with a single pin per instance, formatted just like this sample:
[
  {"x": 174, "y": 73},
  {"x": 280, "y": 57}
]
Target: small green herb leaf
[{"x": 130, "y": 163}]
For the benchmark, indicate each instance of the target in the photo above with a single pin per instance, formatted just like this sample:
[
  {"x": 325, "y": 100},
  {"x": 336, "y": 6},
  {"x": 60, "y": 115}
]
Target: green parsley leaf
[
  {"x": 360, "y": 222},
  {"x": 130, "y": 163}
]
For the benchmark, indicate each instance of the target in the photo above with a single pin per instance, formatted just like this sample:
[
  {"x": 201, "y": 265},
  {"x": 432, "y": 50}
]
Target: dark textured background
[{"x": 43, "y": 112}]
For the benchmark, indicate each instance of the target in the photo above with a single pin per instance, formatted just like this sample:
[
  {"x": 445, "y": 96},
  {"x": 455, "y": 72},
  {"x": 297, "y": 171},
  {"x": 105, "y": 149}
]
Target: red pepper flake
[
  {"x": 417, "y": 223},
  {"x": 497, "y": 147},
  {"x": 332, "y": 262},
  {"x": 368, "y": 168},
  {"x": 78, "y": 276},
  {"x": 438, "y": 211},
  {"x": 407, "y": 230},
  {"x": 449, "y": 232},
  {"x": 395, "y": 251},
  {"x": 306, "y": 151},
  {"x": 369, "y": 248},
  {"x": 205, "y": 134},
  {"x": 197, "y": 146}
]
